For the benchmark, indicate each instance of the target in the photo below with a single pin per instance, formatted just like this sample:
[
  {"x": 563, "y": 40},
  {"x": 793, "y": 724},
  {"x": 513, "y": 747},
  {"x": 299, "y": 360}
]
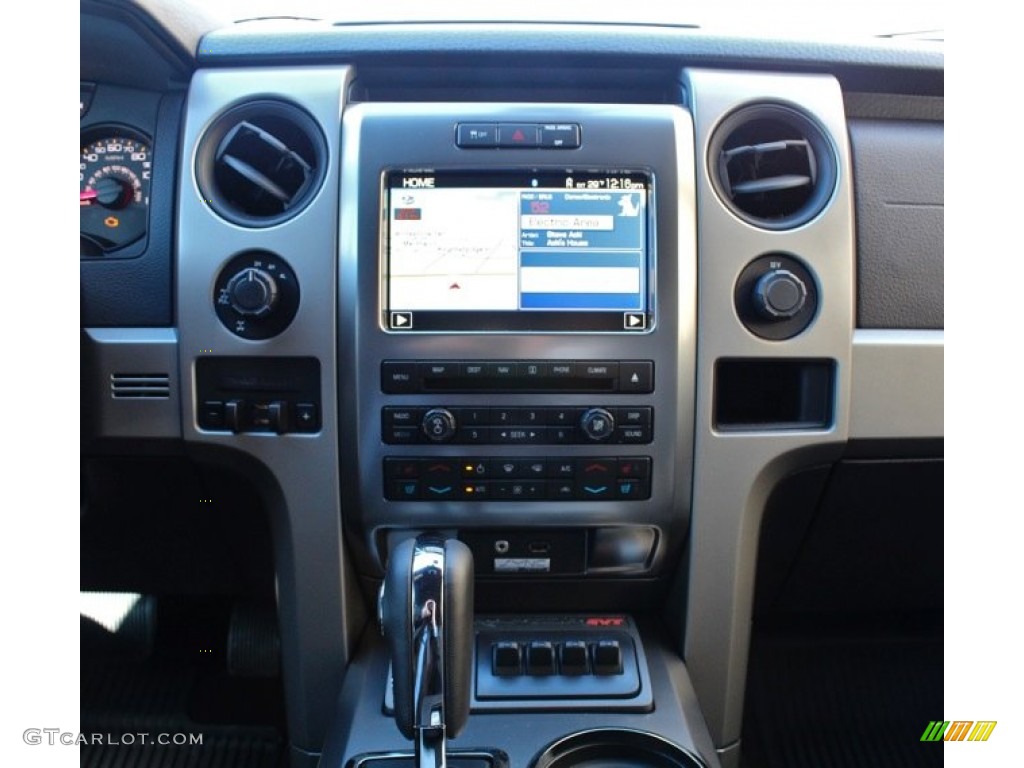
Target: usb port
[{"x": 538, "y": 548}]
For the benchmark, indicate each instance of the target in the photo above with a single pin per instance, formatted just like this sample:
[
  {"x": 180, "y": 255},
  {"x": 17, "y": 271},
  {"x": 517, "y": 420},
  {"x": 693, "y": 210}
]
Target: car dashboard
[{"x": 582, "y": 296}]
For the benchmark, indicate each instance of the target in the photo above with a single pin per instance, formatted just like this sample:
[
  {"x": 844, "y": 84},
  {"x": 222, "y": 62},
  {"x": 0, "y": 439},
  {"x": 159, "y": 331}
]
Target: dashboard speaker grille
[
  {"x": 772, "y": 166},
  {"x": 140, "y": 386},
  {"x": 261, "y": 162}
]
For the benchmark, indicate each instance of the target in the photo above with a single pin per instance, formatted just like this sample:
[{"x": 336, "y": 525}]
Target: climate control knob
[
  {"x": 439, "y": 424},
  {"x": 779, "y": 295},
  {"x": 253, "y": 292},
  {"x": 597, "y": 424}
]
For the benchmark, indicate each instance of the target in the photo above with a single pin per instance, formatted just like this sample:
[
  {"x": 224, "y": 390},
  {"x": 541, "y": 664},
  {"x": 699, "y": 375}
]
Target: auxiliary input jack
[{"x": 501, "y": 546}]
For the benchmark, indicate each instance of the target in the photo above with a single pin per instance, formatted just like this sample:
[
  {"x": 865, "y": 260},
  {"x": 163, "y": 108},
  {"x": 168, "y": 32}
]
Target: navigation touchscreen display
[{"x": 517, "y": 251}]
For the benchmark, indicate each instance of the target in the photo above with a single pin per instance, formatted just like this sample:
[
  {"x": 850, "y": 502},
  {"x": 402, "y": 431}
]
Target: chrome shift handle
[{"x": 426, "y": 611}]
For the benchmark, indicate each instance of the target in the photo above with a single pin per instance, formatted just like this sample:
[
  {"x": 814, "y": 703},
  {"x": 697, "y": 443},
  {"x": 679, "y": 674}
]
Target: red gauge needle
[{"x": 87, "y": 197}]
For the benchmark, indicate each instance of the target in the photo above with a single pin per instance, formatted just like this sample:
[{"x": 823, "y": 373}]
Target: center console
[
  {"x": 522, "y": 284},
  {"x": 524, "y": 299}
]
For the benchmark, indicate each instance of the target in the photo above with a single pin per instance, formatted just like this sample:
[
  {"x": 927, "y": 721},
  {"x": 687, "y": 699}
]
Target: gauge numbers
[{"x": 114, "y": 179}]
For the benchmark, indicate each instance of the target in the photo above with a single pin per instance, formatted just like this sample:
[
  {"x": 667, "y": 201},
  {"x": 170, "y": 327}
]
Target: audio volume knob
[
  {"x": 597, "y": 423},
  {"x": 439, "y": 424},
  {"x": 779, "y": 295},
  {"x": 253, "y": 292}
]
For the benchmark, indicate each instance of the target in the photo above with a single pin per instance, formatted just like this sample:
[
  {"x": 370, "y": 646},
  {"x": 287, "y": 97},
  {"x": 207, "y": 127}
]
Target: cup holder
[{"x": 616, "y": 748}]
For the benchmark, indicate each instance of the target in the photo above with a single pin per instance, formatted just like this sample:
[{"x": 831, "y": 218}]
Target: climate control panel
[{"x": 594, "y": 478}]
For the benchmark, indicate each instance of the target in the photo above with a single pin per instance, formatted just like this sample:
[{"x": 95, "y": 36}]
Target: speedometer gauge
[{"x": 114, "y": 179}]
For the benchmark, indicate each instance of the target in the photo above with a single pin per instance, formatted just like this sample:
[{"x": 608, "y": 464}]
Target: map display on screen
[{"x": 517, "y": 251}]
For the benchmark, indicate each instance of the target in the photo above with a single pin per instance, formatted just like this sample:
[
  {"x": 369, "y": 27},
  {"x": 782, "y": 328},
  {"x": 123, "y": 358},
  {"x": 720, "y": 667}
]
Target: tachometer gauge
[{"x": 114, "y": 176}]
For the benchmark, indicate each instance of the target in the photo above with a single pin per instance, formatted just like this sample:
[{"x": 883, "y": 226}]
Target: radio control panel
[{"x": 522, "y": 425}]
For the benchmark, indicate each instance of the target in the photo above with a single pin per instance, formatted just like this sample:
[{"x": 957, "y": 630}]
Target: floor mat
[
  {"x": 172, "y": 704},
  {"x": 828, "y": 701}
]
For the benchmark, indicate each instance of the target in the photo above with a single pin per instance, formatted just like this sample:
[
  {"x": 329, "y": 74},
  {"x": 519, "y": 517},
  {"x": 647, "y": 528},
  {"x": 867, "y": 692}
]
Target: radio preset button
[{"x": 562, "y": 417}]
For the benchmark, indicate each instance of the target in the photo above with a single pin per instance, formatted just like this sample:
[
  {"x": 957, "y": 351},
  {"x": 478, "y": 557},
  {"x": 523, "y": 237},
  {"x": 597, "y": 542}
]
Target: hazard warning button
[{"x": 518, "y": 135}]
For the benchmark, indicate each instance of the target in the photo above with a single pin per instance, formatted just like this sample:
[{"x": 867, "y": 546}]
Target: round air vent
[
  {"x": 772, "y": 166},
  {"x": 261, "y": 163}
]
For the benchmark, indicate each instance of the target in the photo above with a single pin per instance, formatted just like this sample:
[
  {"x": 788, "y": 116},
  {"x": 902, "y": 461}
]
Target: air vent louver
[
  {"x": 260, "y": 163},
  {"x": 772, "y": 166},
  {"x": 140, "y": 386}
]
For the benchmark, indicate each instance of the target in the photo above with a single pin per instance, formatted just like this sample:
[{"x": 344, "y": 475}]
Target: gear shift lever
[{"x": 426, "y": 612}]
